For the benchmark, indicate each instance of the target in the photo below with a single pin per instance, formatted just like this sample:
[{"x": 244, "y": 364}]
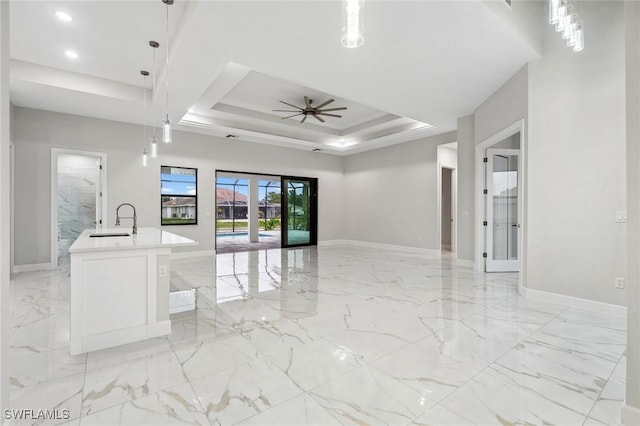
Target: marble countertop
[{"x": 145, "y": 238}]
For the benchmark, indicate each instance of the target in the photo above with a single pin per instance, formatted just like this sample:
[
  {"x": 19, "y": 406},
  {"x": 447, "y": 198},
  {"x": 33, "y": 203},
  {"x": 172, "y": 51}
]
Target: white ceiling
[{"x": 232, "y": 61}]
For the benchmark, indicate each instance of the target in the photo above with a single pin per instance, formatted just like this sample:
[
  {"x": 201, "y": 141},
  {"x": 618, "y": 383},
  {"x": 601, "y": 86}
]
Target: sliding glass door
[{"x": 299, "y": 215}]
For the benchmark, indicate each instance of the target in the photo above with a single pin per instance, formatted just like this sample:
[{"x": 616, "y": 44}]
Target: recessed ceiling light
[
  {"x": 63, "y": 16},
  {"x": 71, "y": 54}
]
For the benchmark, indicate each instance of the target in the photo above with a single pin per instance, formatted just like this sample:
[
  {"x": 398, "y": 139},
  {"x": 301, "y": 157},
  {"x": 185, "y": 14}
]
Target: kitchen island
[{"x": 120, "y": 286}]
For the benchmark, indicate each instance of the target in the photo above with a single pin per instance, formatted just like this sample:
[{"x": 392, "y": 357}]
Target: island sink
[{"x": 109, "y": 234}]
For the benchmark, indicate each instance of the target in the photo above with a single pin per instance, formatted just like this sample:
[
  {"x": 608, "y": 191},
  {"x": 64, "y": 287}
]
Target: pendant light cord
[{"x": 167, "y": 65}]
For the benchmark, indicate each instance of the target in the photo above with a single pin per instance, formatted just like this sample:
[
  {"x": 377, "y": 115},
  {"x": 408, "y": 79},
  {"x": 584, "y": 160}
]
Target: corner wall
[
  {"x": 576, "y": 161},
  {"x": 391, "y": 194},
  {"x": 36, "y": 132}
]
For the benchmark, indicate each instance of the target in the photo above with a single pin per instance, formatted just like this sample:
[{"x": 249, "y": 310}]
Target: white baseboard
[
  {"x": 332, "y": 242},
  {"x": 576, "y": 302},
  {"x": 188, "y": 254},
  {"x": 630, "y": 416},
  {"x": 467, "y": 263},
  {"x": 380, "y": 246},
  {"x": 32, "y": 267}
]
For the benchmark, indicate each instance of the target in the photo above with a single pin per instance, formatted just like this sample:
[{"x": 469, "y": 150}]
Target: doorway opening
[
  {"x": 446, "y": 211},
  {"x": 258, "y": 211},
  {"x": 447, "y": 195},
  {"x": 78, "y": 198},
  {"x": 500, "y": 189}
]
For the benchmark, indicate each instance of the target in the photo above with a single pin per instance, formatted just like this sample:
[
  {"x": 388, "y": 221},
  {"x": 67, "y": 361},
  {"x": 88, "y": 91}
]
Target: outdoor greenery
[
  {"x": 223, "y": 224},
  {"x": 270, "y": 224}
]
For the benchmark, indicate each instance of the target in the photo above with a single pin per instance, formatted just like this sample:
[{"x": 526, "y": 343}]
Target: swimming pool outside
[{"x": 237, "y": 234}]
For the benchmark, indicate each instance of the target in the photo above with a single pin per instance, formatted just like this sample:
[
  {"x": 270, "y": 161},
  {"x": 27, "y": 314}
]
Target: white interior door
[{"x": 503, "y": 209}]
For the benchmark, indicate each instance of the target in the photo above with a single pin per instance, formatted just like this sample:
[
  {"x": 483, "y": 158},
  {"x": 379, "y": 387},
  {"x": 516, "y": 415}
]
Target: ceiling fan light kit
[{"x": 309, "y": 109}]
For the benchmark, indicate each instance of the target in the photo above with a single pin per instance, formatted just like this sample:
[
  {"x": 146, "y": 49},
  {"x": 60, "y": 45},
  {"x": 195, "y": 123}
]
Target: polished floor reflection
[{"x": 327, "y": 335}]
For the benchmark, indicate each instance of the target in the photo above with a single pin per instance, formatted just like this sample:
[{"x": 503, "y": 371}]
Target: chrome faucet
[{"x": 134, "y": 217}]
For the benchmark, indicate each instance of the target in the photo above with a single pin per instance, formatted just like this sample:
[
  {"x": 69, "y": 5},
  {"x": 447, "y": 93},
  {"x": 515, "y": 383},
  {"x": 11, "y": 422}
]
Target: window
[{"x": 179, "y": 200}]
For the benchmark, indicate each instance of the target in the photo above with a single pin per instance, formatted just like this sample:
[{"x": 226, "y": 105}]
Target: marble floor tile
[
  {"x": 558, "y": 378},
  {"x": 608, "y": 405},
  {"x": 315, "y": 363},
  {"x": 174, "y": 406},
  {"x": 41, "y": 367},
  {"x": 336, "y": 334},
  {"x": 486, "y": 400},
  {"x": 298, "y": 411},
  {"x": 368, "y": 396},
  {"x": 60, "y": 394},
  {"x": 116, "y": 384},
  {"x": 125, "y": 353},
  {"x": 440, "y": 416},
  {"x": 237, "y": 393},
  {"x": 425, "y": 370},
  {"x": 197, "y": 359}
]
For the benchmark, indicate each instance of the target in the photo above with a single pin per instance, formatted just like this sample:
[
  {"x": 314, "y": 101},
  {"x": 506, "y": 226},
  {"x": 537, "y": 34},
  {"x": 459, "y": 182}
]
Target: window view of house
[{"x": 178, "y": 188}]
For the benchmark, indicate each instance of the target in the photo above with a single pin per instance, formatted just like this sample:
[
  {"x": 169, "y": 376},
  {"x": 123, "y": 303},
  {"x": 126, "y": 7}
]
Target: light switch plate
[
  {"x": 619, "y": 282},
  {"x": 621, "y": 216}
]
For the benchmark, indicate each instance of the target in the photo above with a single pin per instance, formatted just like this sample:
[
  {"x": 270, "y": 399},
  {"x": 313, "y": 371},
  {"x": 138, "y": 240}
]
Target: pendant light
[
  {"x": 166, "y": 123},
  {"x": 564, "y": 15},
  {"x": 144, "y": 74},
  {"x": 154, "y": 142},
  {"x": 352, "y": 23}
]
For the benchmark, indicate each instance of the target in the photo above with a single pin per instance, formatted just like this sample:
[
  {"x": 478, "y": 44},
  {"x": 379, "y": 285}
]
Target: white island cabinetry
[{"x": 120, "y": 287}]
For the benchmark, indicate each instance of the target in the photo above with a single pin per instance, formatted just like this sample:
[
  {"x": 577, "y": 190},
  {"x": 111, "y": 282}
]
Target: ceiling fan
[{"x": 310, "y": 110}]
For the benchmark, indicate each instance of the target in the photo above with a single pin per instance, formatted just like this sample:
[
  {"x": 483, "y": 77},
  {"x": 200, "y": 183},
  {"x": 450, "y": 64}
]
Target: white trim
[
  {"x": 32, "y": 267},
  {"x": 55, "y": 152},
  {"x": 630, "y": 416},
  {"x": 12, "y": 147},
  {"x": 576, "y": 302},
  {"x": 479, "y": 213},
  {"x": 189, "y": 254},
  {"x": 380, "y": 246},
  {"x": 467, "y": 263},
  {"x": 333, "y": 242}
]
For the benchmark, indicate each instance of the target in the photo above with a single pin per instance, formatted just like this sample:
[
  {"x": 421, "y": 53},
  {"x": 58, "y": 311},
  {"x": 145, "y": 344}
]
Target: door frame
[
  {"x": 479, "y": 211},
  {"x": 488, "y": 206},
  {"x": 55, "y": 153},
  {"x": 454, "y": 205},
  {"x": 313, "y": 213}
]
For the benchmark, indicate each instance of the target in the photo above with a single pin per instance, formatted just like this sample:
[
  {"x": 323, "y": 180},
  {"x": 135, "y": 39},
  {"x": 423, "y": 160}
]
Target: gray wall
[
  {"x": 632, "y": 21},
  {"x": 504, "y": 107},
  {"x": 36, "y": 132},
  {"x": 576, "y": 161},
  {"x": 465, "y": 246},
  {"x": 391, "y": 194}
]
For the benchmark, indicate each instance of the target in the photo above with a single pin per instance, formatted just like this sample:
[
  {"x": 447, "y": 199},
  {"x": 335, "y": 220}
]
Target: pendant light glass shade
[
  {"x": 166, "y": 123},
  {"x": 578, "y": 44},
  {"x": 154, "y": 147},
  {"x": 352, "y": 23},
  {"x": 166, "y": 130},
  {"x": 144, "y": 158},
  {"x": 554, "y": 5},
  {"x": 564, "y": 15}
]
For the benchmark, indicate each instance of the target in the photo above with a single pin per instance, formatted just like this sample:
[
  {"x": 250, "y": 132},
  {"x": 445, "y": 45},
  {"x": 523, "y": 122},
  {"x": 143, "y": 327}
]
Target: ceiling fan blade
[
  {"x": 307, "y": 102},
  {"x": 291, "y": 105},
  {"x": 318, "y": 118},
  {"x": 325, "y": 103},
  {"x": 294, "y": 115},
  {"x": 304, "y": 118},
  {"x": 334, "y": 109},
  {"x": 330, "y": 115},
  {"x": 284, "y": 110}
]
